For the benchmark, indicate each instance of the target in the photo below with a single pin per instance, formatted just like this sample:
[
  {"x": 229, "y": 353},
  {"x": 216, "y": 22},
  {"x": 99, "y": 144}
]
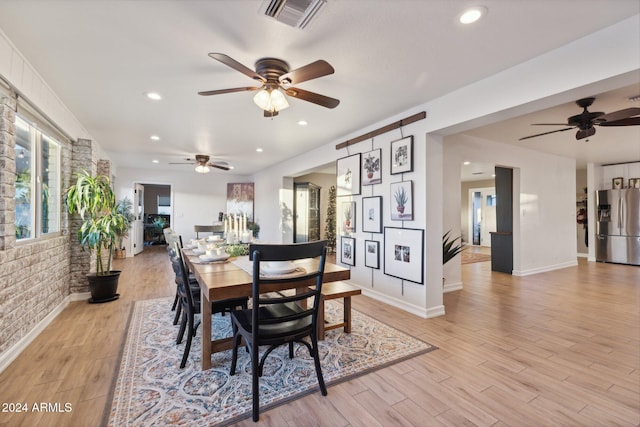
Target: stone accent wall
[
  {"x": 34, "y": 275},
  {"x": 81, "y": 260}
]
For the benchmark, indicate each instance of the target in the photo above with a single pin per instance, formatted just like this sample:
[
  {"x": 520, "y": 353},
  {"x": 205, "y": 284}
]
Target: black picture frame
[
  {"x": 372, "y": 167},
  {"x": 372, "y": 214},
  {"x": 404, "y": 253},
  {"x": 401, "y": 201},
  {"x": 348, "y": 250},
  {"x": 372, "y": 254},
  {"x": 348, "y": 175},
  {"x": 402, "y": 155}
]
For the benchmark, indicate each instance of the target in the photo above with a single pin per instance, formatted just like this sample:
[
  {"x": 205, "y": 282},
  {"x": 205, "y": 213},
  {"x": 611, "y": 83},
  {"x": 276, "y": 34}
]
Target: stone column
[{"x": 7, "y": 172}]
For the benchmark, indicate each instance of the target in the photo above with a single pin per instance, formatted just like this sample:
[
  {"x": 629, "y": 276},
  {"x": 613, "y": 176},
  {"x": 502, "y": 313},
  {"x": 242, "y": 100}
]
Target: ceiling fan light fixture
[
  {"x": 202, "y": 169},
  {"x": 271, "y": 100}
]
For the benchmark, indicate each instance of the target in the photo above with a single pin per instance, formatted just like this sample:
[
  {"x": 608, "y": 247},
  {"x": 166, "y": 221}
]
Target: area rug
[
  {"x": 468, "y": 257},
  {"x": 152, "y": 390}
]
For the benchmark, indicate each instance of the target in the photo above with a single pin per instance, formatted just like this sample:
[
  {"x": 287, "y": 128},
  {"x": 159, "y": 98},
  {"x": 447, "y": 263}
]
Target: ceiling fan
[
  {"x": 276, "y": 80},
  {"x": 586, "y": 121},
  {"x": 202, "y": 163}
]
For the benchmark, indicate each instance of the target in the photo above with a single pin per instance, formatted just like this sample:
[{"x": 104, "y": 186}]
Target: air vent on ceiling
[{"x": 295, "y": 13}]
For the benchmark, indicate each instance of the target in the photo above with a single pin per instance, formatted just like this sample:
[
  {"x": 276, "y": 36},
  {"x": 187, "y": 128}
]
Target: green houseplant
[
  {"x": 93, "y": 199},
  {"x": 450, "y": 248},
  {"x": 125, "y": 208}
]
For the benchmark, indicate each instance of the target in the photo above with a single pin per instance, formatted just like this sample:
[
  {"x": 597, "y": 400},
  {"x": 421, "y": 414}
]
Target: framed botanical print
[
  {"x": 372, "y": 214},
  {"x": 402, "y": 201},
  {"x": 372, "y": 253},
  {"x": 348, "y": 250},
  {"x": 348, "y": 176},
  {"x": 404, "y": 253},
  {"x": 348, "y": 217},
  {"x": 371, "y": 168},
  {"x": 402, "y": 155}
]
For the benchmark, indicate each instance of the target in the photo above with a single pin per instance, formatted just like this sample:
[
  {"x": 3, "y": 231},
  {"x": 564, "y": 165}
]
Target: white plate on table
[
  {"x": 215, "y": 238},
  {"x": 278, "y": 267},
  {"x": 197, "y": 251},
  {"x": 210, "y": 258}
]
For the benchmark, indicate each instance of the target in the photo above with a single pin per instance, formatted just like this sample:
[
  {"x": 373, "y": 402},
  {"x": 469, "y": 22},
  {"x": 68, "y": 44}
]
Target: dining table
[{"x": 232, "y": 278}]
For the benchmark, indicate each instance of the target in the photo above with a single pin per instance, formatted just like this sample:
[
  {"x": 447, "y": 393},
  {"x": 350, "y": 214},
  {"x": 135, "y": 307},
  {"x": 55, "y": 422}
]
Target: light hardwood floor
[{"x": 553, "y": 349}]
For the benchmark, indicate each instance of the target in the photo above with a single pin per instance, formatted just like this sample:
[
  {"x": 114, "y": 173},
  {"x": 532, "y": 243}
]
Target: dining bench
[{"x": 334, "y": 290}]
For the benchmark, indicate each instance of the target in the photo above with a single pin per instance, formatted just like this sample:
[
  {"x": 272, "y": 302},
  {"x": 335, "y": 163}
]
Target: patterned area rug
[
  {"x": 152, "y": 390},
  {"x": 468, "y": 257}
]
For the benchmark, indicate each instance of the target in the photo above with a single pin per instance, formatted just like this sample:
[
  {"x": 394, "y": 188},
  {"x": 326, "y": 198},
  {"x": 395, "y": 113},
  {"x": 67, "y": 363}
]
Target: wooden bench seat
[{"x": 333, "y": 290}]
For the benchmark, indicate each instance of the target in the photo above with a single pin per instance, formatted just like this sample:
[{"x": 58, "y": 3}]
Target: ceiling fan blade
[
  {"x": 316, "y": 98},
  {"x": 219, "y": 166},
  {"x": 550, "y": 124},
  {"x": 545, "y": 133},
  {"x": 619, "y": 115},
  {"x": 221, "y": 91},
  {"x": 227, "y": 60},
  {"x": 581, "y": 134},
  {"x": 631, "y": 121},
  {"x": 308, "y": 72}
]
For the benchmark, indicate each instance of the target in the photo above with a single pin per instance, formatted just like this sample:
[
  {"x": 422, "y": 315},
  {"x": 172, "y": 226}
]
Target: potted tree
[
  {"x": 125, "y": 208},
  {"x": 93, "y": 199}
]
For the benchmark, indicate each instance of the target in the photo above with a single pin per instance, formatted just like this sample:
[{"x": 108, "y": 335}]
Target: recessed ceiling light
[
  {"x": 471, "y": 15},
  {"x": 155, "y": 161},
  {"x": 302, "y": 122},
  {"x": 259, "y": 150},
  {"x": 466, "y": 163},
  {"x": 154, "y": 95},
  {"x": 155, "y": 138}
]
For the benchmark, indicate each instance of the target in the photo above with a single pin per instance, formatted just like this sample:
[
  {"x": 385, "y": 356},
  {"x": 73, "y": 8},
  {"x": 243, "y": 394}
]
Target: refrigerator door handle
[{"x": 620, "y": 214}]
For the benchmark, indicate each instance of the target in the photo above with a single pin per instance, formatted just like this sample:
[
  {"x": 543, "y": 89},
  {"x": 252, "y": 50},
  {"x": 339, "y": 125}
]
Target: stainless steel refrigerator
[{"x": 618, "y": 226}]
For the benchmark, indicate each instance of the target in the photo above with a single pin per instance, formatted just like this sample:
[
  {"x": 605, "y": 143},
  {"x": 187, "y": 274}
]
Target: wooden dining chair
[
  {"x": 190, "y": 302},
  {"x": 279, "y": 318}
]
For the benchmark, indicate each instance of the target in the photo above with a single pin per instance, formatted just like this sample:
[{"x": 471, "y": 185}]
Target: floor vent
[{"x": 295, "y": 13}]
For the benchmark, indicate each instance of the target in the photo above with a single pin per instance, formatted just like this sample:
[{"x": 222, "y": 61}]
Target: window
[
  {"x": 37, "y": 196},
  {"x": 164, "y": 205}
]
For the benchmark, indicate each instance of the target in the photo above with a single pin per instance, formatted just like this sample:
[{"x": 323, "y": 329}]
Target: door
[
  {"x": 483, "y": 215},
  {"x": 630, "y": 213},
  {"x": 138, "y": 224}
]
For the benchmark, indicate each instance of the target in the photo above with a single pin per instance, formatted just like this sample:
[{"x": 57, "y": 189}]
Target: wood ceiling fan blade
[
  {"x": 550, "y": 124},
  {"x": 227, "y": 60},
  {"x": 545, "y": 133},
  {"x": 315, "y": 98},
  {"x": 631, "y": 121},
  {"x": 218, "y": 166},
  {"x": 221, "y": 91},
  {"x": 311, "y": 71},
  {"x": 619, "y": 115}
]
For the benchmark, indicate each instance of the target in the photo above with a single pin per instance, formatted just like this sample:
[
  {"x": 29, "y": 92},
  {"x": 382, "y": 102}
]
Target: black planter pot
[{"x": 103, "y": 288}]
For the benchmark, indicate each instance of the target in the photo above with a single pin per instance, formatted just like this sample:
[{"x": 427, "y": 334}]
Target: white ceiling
[{"x": 101, "y": 56}]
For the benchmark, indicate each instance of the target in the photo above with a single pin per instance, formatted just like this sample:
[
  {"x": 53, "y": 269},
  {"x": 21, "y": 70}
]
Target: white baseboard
[
  {"x": 545, "y": 268},
  {"x": 410, "y": 308},
  {"x": 14, "y": 351},
  {"x": 450, "y": 287}
]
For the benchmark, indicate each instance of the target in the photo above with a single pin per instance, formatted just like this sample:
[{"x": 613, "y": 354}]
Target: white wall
[{"x": 196, "y": 198}]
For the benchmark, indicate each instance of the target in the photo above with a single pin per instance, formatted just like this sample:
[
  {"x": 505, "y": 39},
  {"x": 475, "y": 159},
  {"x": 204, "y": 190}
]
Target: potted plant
[
  {"x": 401, "y": 199},
  {"x": 449, "y": 247},
  {"x": 93, "y": 199},
  {"x": 371, "y": 165},
  {"x": 125, "y": 208}
]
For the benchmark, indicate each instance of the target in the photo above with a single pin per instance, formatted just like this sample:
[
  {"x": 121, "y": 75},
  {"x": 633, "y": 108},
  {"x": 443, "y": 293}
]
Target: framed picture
[
  {"x": 634, "y": 182},
  {"x": 617, "y": 183},
  {"x": 404, "y": 253},
  {"x": 348, "y": 217},
  {"x": 240, "y": 199},
  {"x": 402, "y": 201},
  {"x": 402, "y": 155},
  {"x": 348, "y": 175},
  {"x": 371, "y": 168},
  {"x": 372, "y": 253},
  {"x": 348, "y": 250},
  {"x": 372, "y": 214}
]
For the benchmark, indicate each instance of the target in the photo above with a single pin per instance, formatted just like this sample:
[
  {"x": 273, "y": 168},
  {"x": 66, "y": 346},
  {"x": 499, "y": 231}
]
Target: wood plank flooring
[{"x": 553, "y": 349}]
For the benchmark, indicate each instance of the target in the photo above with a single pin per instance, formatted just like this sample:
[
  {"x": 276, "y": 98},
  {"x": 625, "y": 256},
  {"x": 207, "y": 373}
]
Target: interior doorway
[
  {"x": 153, "y": 213},
  {"x": 482, "y": 215}
]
